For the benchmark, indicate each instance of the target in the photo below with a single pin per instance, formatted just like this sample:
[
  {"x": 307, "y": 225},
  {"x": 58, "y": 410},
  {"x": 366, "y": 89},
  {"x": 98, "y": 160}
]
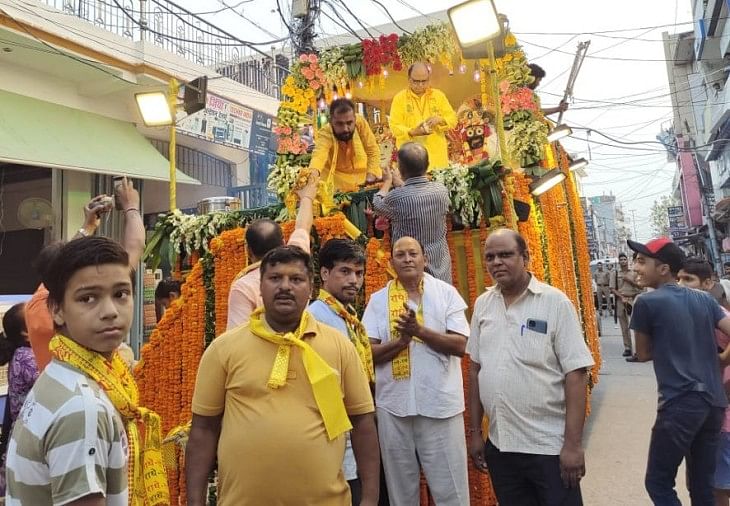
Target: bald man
[
  {"x": 417, "y": 207},
  {"x": 418, "y": 330},
  {"x": 423, "y": 114},
  {"x": 528, "y": 373},
  {"x": 262, "y": 236}
]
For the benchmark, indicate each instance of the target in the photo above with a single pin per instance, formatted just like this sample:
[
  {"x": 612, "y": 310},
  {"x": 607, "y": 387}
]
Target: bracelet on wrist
[
  {"x": 82, "y": 231},
  {"x": 131, "y": 209}
]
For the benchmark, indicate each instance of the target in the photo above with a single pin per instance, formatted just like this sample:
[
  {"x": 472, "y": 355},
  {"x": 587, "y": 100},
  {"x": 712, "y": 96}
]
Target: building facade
[{"x": 697, "y": 70}]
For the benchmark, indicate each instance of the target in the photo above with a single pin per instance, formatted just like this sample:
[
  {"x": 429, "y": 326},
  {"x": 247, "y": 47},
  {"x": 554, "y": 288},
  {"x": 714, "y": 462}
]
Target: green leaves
[{"x": 487, "y": 180}]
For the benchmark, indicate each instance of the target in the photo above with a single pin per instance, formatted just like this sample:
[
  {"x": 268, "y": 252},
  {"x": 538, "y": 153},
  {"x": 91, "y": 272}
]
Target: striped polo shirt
[
  {"x": 68, "y": 442},
  {"x": 419, "y": 209}
]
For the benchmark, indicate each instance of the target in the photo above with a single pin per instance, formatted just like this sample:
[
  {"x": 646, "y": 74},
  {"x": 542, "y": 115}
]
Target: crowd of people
[{"x": 304, "y": 402}]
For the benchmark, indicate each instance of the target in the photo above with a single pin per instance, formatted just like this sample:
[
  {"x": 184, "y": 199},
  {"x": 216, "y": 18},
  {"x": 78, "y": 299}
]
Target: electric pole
[
  {"x": 305, "y": 14},
  {"x": 633, "y": 220},
  {"x": 705, "y": 190}
]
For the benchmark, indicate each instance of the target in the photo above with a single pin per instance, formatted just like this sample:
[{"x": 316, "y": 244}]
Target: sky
[{"x": 622, "y": 89}]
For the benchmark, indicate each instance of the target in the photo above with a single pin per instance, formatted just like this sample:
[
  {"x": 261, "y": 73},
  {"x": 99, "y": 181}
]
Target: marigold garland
[
  {"x": 450, "y": 242},
  {"x": 471, "y": 277},
  {"x": 166, "y": 374},
  {"x": 230, "y": 257},
  {"x": 376, "y": 263},
  {"x": 529, "y": 229},
  {"x": 582, "y": 260}
]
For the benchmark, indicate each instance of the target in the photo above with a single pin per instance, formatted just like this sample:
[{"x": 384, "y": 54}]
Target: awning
[{"x": 34, "y": 132}]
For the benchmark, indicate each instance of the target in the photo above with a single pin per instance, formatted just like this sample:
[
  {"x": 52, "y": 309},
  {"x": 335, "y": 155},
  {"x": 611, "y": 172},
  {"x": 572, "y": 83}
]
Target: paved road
[{"x": 618, "y": 431}]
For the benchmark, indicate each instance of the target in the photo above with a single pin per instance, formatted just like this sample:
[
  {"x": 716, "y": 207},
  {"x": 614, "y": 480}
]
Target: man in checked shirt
[{"x": 417, "y": 207}]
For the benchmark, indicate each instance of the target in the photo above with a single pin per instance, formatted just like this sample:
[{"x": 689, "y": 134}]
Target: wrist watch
[{"x": 83, "y": 232}]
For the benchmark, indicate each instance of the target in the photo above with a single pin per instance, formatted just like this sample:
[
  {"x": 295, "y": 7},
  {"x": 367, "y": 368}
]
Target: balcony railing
[
  {"x": 181, "y": 32},
  {"x": 254, "y": 195}
]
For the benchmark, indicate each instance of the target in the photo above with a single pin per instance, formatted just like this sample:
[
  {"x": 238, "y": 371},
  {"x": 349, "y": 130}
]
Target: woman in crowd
[{"x": 22, "y": 373}]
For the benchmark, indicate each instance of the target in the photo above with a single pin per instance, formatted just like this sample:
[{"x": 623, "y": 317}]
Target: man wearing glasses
[
  {"x": 528, "y": 373},
  {"x": 424, "y": 115}
]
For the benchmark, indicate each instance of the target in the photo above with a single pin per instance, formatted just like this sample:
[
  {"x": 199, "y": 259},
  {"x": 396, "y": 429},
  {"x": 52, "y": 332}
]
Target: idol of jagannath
[{"x": 474, "y": 138}]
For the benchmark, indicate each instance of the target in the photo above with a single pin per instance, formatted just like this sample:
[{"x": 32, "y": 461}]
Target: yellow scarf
[
  {"x": 322, "y": 377},
  {"x": 397, "y": 296},
  {"x": 147, "y": 476},
  {"x": 355, "y": 330}
]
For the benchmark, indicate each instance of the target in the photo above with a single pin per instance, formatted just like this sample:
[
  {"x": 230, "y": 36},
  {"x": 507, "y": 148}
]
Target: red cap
[{"x": 661, "y": 248}]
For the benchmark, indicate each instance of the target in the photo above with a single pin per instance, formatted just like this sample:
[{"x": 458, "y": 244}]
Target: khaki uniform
[
  {"x": 627, "y": 291},
  {"x": 603, "y": 280}
]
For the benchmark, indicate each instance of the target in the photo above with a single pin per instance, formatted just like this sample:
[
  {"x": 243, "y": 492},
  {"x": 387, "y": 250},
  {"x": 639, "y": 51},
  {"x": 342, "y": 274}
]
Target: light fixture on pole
[
  {"x": 542, "y": 184},
  {"x": 158, "y": 108},
  {"x": 154, "y": 108},
  {"x": 559, "y": 132},
  {"x": 474, "y": 22},
  {"x": 578, "y": 164}
]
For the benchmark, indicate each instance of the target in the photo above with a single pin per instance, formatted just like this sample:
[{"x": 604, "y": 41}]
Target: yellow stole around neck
[
  {"x": 322, "y": 377},
  {"x": 397, "y": 296},
  {"x": 355, "y": 330},
  {"x": 146, "y": 472}
]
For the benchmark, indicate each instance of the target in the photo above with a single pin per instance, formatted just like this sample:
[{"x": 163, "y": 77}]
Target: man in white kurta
[{"x": 419, "y": 399}]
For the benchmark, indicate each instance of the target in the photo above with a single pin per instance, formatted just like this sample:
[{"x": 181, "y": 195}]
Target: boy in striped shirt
[{"x": 69, "y": 445}]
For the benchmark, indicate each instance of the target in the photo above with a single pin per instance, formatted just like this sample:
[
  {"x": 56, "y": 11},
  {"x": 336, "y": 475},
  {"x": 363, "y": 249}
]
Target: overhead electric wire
[
  {"x": 342, "y": 25},
  {"x": 253, "y": 23},
  {"x": 616, "y": 30},
  {"x": 64, "y": 53},
  {"x": 392, "y": 19},
  {"x": 606, "y": 58},
  {"x": 237, "y": 42},
  {"x": 553, "y": 50},
  {"x": 179, "y": 15},
  {"x": 189, "y": 67},
  {"x": 362, "y": 25}
]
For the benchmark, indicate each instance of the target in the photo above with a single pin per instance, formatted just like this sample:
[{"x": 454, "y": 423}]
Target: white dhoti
[{"x": 438, "y": 444}]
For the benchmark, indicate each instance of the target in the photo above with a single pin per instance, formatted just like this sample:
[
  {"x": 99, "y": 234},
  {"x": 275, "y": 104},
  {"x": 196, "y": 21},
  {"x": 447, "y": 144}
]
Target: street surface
[{"x": 618, "y": 431}]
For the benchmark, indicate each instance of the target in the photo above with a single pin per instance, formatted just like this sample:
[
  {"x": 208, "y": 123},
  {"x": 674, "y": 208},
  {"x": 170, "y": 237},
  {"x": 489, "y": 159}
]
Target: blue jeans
[{"x": 687, "y": 427}]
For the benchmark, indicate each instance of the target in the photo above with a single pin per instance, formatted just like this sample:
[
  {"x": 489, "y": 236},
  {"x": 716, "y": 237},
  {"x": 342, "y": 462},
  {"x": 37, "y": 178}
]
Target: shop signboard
[
  {"x": 677, "y": 224},
  {"x": 222, "y": 121},
  {"x": 261, "y": 129}
]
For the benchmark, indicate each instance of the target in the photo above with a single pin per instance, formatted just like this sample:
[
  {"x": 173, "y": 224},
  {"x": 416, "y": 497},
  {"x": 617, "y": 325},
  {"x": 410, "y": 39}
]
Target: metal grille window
[{"x": 207, "y": 169}]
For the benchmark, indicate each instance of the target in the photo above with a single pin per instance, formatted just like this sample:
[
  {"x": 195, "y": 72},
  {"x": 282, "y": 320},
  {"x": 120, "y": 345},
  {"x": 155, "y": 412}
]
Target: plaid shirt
[{"x": 419, "y": 209}]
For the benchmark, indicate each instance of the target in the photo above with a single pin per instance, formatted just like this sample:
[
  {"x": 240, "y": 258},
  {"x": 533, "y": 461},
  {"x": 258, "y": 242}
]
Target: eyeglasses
[{"x": 502, "y": 255}]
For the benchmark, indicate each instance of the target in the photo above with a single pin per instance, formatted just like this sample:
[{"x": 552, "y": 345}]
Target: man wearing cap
[{"x": 675, "y": 327}]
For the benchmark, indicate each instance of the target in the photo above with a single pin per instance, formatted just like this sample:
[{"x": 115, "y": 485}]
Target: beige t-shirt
[{"x": 273, "y": 447}]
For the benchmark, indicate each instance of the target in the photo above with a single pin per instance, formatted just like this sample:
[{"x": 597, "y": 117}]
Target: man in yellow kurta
[
  {"x": 347, "y": 146},
  {"x": 424, "y": 115}
]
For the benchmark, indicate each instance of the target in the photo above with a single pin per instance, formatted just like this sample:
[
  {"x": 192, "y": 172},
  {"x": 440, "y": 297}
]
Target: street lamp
[
  {"x": 158, "y": 108},
  {"x": 578, "y": 164},
  {"x": 154, "y": 108},
  {"x": 475, "y": 22},
  {"x": 559, "y": 132},
  {"x": 542, "y": 184}
]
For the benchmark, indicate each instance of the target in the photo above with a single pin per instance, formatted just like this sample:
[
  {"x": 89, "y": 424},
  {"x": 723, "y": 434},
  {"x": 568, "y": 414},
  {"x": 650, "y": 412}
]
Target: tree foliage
[{"x": 659, "y": 218}]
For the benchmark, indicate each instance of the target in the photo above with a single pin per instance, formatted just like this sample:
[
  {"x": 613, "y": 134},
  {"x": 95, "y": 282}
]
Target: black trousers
[
  {"x": 355, "y": 491},
  {"x": 523, "y": 479}
]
